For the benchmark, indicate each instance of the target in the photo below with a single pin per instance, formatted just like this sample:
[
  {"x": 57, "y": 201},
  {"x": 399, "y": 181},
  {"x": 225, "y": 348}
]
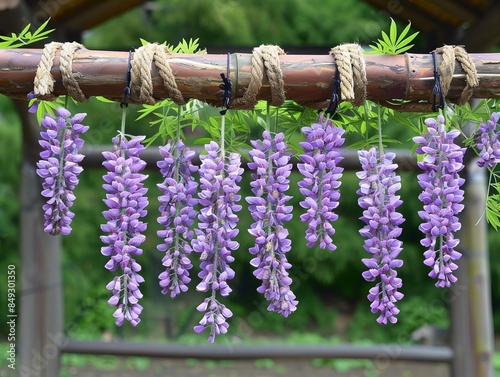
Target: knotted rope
[
  {"x": 66, "y": 67},
  {"x": 141, "y": 83},
  {"x": 265, "y": 63},
  {"x": 44, "y": 81},
  {"x": 447, "y": 68},
  {"x": 351, "y": 65}
]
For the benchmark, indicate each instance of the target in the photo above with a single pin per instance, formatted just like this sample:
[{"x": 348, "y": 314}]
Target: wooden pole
[
  {"x": 41, "y": 318},
  {"x": 307, "y": 78},
  {"x": 475, "y": 255}
]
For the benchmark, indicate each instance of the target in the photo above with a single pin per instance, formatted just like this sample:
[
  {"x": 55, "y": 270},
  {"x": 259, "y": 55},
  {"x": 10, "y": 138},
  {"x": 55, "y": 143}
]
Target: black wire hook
[
  {"x": 226, "y": 86},
  {"x": 126, "y": 91},
  {"x": 335, "y": 98},
  {"x": 436, "y": 91}
]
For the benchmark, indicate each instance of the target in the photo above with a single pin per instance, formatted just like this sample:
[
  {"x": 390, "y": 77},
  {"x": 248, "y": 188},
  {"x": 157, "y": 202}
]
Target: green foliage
[
  {"x": 25, "y": 37},
  {"x": 347, "y": 365},
  {"x": 183, "y": 47},
  {"x": 393, "y": 43},
  {"x": 237, "y": 23},
  {"x": 493, "y": 204},
  {"x": 46, "y": 107}
]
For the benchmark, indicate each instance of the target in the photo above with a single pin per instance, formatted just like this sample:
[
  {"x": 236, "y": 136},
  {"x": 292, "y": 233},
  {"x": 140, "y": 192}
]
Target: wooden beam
[
  {"x": 485, "y": 33},
  {"x": 446, "y": 11},
  {"x": 84, "y": 14},
  {"x": 307, "y": 78}
]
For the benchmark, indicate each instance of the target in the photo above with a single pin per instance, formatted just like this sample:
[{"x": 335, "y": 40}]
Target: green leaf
[
  {"x": 403, "y": 49},
  {"x": 104, "y": 99},
  {"x": 386, "y": 38},
  {"x": 202, "y": 141},
  {"x": 407, "y": 40},
  {"x": 393, "y": 32},
  {"x": 25, "y": 30},
  {"x": 41, "y": 28},
  {"x": 493, "y": 211},
  {"x": 403, "y": 33}
]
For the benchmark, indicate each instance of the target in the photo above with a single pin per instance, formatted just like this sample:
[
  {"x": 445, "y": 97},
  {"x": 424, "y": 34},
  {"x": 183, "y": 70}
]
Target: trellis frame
[{"x": 307, "y": 79}]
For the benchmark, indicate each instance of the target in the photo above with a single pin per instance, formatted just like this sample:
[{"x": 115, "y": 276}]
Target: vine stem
[
  {"x": 222, "y": 136},
  {"x": 380, "y": 145},
  {"x": 124, "y": 117},
  {"x": 268, "y": 117}
]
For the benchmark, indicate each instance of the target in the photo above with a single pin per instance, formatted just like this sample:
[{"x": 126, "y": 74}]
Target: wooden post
[
  {"x": 478, "y": 277},
  {"x": 40, "y": 319},
  {"x": 470, "y": 297}
]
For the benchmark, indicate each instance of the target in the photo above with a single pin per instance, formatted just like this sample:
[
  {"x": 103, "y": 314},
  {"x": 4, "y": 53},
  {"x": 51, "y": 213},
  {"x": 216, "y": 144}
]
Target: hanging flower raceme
[
  {"x": 271, "y": 168},
  {"x": 218, "y": 198},
  {"x": 59, "y": 167},
  {"x": 488, "y": 143},
  {"x": 441, "y": 197},
  {"x": 126, "y": 201},
  {"x": 176, "y": 215},
  {"x": 321, "y": 180},
  {"x": 377, "y": 189}
]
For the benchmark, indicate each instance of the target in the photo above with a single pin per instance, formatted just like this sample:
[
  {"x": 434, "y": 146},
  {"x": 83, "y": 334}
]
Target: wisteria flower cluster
[
  {"x": 218, "y": 198},
  {"x": 488, "y": 143},
  {"x": 126, "y": 202},
  {"x": 176, "y": 215},
  {"x": 321, "y": 180},
  {"x": 271, "y": 168},
  {"x": 441, "y": 197},
  {"x": 377, "y": 189},
  {"x": 59, "y": 167}
]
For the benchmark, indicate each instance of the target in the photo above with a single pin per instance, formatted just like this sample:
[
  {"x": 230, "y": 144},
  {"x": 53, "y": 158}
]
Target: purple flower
[
  {"x": 487, "y": 142},
  {"x": 126, "y": 200},
  {"x": 321, "y": 180},
  {"x": 59, "y": 167},
  {"x": 33, "y": 103},
  {"x": 271, "y": 168},
  {"x": 176, "y": 216},
  {"x": 377, "y": 189},
  {"x": 441, "y": 197},
  {"x": 219, "y": 177}
]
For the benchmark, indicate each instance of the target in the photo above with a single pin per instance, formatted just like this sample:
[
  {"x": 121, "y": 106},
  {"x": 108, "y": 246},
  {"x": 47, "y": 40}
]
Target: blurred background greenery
[{"x": 329, "y": 286}]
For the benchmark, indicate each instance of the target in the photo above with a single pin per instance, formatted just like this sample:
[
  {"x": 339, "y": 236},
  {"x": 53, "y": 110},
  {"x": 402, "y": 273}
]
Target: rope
[
  {"x": 66, "y": 67},
  {"x": 447, "y": 68},
  {"x": 265, "y": 61},
  {"x": 161, "y": 62},
  {"x": 351, "y": 65},
  {"x": 44, "y": 81},
  {"x": 141, "y": 83}
]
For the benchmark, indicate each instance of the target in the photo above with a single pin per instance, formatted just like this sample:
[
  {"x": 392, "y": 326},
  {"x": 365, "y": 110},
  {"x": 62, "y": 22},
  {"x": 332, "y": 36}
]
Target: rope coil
[
  {"x": 265, "y": 62},
  {"x": 447, "y": 68},
  {"x": 44, "y": 81},
  {"x": 351, "y": 65},
  {"x": 141, "y": 84}
]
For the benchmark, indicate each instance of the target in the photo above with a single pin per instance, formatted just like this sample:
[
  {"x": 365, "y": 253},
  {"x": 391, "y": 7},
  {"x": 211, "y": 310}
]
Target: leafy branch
[
  {"x": 393, "y": 43},
  {"x": 25, "y": 37}
]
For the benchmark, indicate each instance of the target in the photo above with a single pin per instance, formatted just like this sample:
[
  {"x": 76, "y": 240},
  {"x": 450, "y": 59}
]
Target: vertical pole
[
  {"x": 459, "y": 313},
  {"x": 475, "y": 244},
  {"x": 40, "y": 317}
]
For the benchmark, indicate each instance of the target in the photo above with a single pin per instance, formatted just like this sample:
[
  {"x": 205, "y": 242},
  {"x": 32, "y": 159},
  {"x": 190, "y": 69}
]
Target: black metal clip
[
  {"x": 126, "y": 91},
  {"x": 436, "y": 91},
  {"x": 226, "y": 86},
  {"x": 335, "y": 98}
]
